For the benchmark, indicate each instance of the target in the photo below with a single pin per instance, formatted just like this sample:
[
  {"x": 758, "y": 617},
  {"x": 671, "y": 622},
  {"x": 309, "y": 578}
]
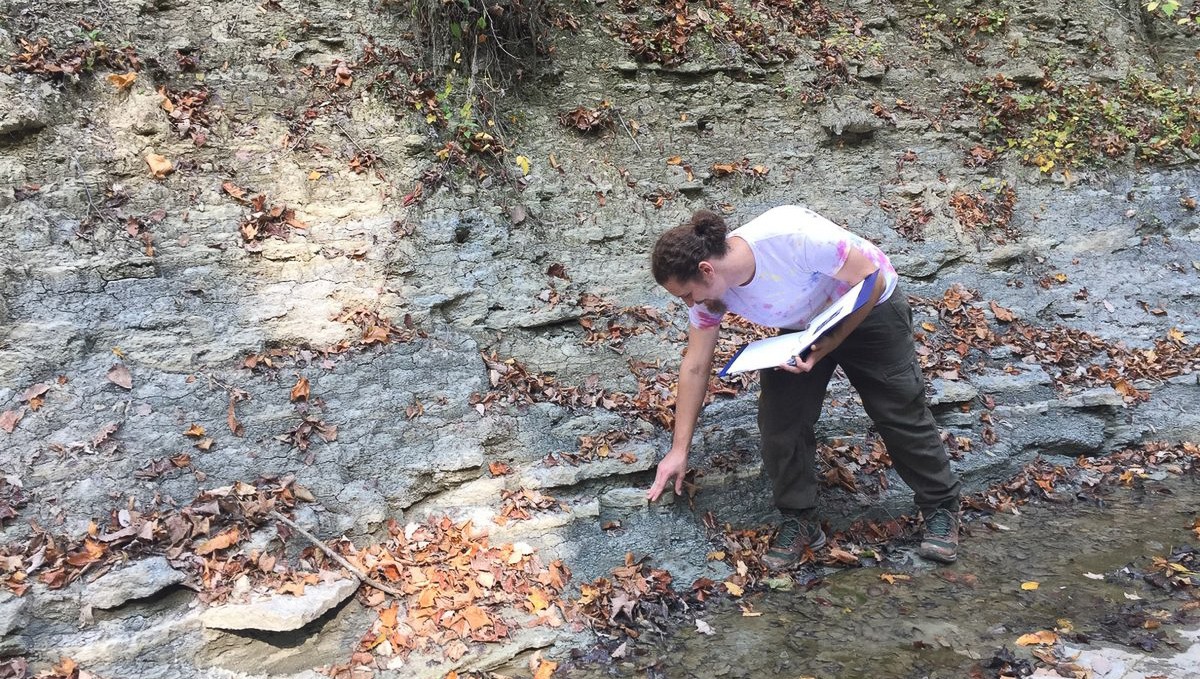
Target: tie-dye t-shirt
[{"x": 796, "y": 253}]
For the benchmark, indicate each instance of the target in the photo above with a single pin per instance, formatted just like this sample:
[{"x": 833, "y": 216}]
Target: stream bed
[{"x": 1099, "y": 590}]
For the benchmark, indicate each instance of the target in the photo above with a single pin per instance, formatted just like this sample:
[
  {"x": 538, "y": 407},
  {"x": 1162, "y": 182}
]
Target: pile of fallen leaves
[
  {"x": 1178, "y": 570},
  {"x": 667, "y": 41},
  {"x": 40, "y": 58},
  {"x": 991, "y": 214},
  {"x": 300, "y": 436},
  {"x": 514, "y": 384},
  {"x": 743, "y": 550},
  {"x": 595, "y": 447},
  {"x": 460, "y": 590},
  {"x": 609, "y": 324},
  {"x": 1089, "y": 475},
  {"x": 188, "y": 111},
  {"x": 1072, "y": 357},
  {"x": 516, "y": 505},
  {"x": 18, "y": 668},
  {"x": 194, "y": 538},
  {"x": 741, "y": 167},
  {"x": 589, "y": 120},
  {"x": 854, "y": 467},
  {"x": 1125, "y": 466},
  {"x": 263, "y": 222},
  {"x": 635, "y": 593},
  {"x": 374, "y": 329},
  {"x": 910, "y": 221}
]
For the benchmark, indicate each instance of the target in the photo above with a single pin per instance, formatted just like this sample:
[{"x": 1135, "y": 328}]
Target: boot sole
[{"x": 941, "y": 558}]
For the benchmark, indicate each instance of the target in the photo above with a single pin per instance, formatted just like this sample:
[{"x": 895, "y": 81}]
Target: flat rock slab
[
  {"x": 141, "y": 579},
  {"x": 280, "y": 612},
  {"x": 12, "y": 613}
]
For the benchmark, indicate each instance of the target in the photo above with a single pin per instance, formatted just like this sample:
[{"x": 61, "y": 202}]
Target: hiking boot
[
  {"x": 940, "y": 542},
  {"x": 797, "y": 532}
]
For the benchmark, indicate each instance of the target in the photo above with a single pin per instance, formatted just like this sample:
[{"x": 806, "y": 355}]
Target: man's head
[{"x": 682, "y": 261}]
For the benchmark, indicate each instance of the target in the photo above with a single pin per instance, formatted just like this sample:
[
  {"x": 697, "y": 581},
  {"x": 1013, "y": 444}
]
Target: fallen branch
[{"x": 362, "y": 577}]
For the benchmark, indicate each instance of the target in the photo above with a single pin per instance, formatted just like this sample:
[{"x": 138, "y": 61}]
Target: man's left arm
[{"x": 856, "y": 268}]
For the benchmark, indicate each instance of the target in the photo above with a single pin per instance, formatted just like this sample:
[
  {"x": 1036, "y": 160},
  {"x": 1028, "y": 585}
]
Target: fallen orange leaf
[
  {"x": 300, "y": 390},
  {"x": 1039, "y": 638},
  {"x": 224, "y": 539},
  {"x": 160, "y": 166},
  {"x": 122, "y": 81}
]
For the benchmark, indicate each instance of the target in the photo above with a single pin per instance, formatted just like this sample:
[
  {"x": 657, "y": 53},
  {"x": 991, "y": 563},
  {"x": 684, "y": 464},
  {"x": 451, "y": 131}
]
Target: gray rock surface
[
  {"x": 139, "y": 579},
  {"x": 12, "y": 613},
  {"x": 468, "y": 262}
]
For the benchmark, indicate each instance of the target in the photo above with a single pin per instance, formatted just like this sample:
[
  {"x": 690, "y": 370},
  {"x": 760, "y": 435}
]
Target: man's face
[{"x": 706, "y": 288}]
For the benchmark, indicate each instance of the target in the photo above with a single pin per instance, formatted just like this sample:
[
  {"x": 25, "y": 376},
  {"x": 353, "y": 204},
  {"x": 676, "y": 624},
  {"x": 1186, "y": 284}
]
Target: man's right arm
[{"x": 689, "y": 400}]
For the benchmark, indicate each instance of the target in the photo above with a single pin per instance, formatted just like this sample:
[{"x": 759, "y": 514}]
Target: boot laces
[{"x": 940, "y": 523}]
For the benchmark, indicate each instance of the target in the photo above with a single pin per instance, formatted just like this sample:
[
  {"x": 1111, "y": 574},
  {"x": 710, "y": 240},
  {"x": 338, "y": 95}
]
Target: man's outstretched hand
[{"x": 672, "y": 467}]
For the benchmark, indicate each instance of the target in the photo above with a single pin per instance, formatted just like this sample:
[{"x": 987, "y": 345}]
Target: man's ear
[{"x": 706, "y": 269}]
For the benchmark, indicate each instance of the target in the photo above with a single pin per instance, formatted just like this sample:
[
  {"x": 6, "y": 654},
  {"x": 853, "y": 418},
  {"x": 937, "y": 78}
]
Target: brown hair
[{"x": 678, "y": 252}]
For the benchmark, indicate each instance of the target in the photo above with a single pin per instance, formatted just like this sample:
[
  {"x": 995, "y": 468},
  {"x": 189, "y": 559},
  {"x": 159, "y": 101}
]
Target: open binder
[{"x": 775, "y": 351}]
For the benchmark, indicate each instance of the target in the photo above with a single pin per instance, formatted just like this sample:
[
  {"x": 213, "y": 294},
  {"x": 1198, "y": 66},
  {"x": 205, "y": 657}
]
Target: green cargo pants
[{"x": 880, "y": 361}]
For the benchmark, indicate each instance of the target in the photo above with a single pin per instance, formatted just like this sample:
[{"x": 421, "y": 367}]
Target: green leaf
[
  {"x": 456, "y": 31},
  {"x": 481, "y": 23}
]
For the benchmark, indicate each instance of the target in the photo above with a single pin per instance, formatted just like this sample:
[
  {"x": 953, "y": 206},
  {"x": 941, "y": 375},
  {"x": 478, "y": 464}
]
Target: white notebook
[{"x": 775, "y": 351}]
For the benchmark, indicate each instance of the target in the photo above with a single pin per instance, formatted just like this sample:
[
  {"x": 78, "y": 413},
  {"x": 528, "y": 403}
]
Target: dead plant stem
[{"x": 362, "y": 577}]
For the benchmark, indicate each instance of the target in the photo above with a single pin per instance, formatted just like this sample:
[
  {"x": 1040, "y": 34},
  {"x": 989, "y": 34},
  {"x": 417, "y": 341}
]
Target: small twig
[
  {"x": 362, "y": 577},
  {"x": 627, "y": 130},
  {"x": 92, "y": 209},
  {"x": 299, "y": 140},
  {"x": 352, "y": 139}
]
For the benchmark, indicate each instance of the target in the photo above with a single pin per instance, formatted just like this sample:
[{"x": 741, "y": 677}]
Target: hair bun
[{"x": 710, "y": 227}]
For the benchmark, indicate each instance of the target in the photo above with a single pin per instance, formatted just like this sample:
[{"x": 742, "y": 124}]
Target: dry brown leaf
[
  {"x": 160, "y": 166},
  {"x": 223, "y": 540},
  {"x": 231, "y": 418},
  {"x": 296, "y": 588},
  {"x": 122, "y": 81},
  {"x": 1039, "y": 638},
  {"x": 66, "y": 667},
  {"x": 843, "y": 556},
  {"x": 119, "y": 375},
  {"x": 300, "y": 390},
  {"x": 9, "y": 419},
  {"x": 1003, "y": 315},
  {"x": 233, "y": 190},
  {"x": 545, "y": 670},
  {"x": 195, "y": 431}
]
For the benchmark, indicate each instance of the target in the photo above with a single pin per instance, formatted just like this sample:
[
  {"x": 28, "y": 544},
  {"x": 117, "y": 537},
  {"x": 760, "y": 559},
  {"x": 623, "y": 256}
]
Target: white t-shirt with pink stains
[{"x": 796, "y": 253}]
